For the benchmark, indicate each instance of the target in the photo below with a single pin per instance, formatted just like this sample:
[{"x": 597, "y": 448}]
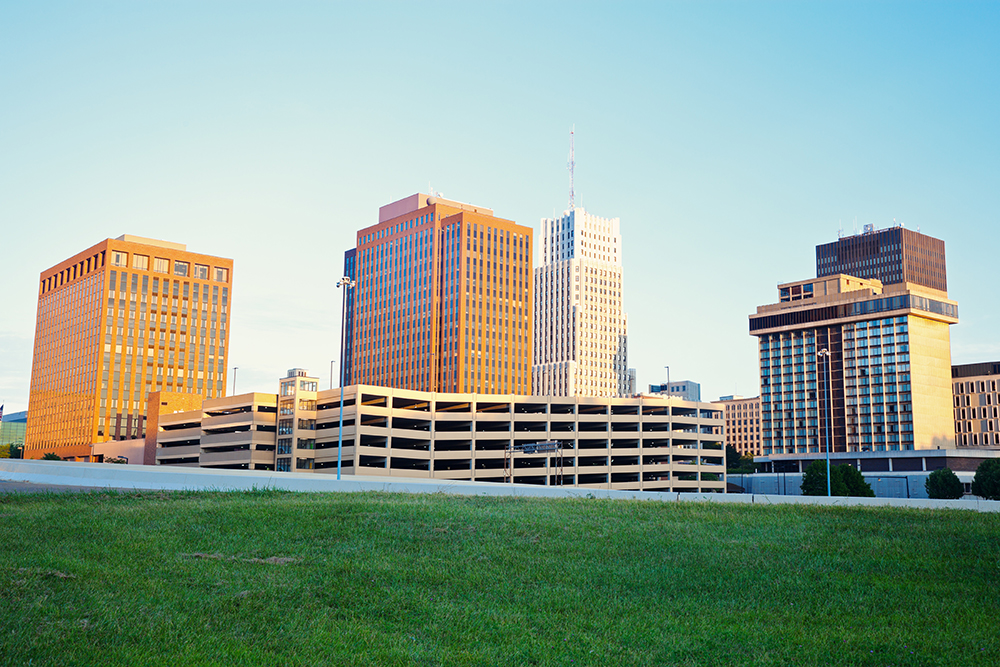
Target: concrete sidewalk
[{"x": 96, "y": 476}]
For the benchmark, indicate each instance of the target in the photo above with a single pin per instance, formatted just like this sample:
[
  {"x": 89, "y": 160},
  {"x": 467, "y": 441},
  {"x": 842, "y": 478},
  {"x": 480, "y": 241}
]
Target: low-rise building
[
  {"x": 647, "y": 443},
  {"x": 742, "y": 417},
  {"x": 12, "y": 428},
  {"x": 976, "y": 405},
  {"x": 688, "y": 390}
]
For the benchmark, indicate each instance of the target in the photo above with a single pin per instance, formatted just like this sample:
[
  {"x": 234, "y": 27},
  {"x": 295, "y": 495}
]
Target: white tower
[{"x": 580, "y": 327}]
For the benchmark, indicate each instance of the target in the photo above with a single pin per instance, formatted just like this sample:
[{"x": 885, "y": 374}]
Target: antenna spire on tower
[{"x": 570, "y": 165}]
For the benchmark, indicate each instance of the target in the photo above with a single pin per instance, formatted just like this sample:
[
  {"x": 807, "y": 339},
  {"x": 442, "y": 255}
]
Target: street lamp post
[
  {"x": 826, "y": 353},
  {"x": 332, "y": 362},
  {"x": 235, "y": 368},
  {"x": 346, "y": 283}
]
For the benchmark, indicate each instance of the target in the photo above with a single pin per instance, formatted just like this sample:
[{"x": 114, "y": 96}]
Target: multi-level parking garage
[{"x": 656, "y": 444}]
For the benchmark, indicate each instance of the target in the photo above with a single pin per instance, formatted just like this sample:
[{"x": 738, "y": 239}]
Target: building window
[
  {"x": 221, "y": 274},
  {"x": 161, "y": 265},
  {"x": 119, "y": 258},
  {"x": 181, "y": 268},
  {"x": 140, "y": 262},
  {"x": 200, "y": 272}
]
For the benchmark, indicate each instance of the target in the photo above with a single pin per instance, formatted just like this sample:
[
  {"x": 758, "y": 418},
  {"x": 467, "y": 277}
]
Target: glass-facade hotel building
[{"x": 889, "y": 366}]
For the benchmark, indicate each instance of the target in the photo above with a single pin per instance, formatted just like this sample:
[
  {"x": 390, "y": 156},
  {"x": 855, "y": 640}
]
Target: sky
[{"x": 729, "y": 138}]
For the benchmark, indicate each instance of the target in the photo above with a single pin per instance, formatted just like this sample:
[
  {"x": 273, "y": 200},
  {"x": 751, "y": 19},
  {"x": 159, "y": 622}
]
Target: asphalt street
[{"x": 28, "y": 487}]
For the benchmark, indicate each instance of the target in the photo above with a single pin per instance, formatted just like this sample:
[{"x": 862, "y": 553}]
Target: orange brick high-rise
[
  {"x": 115, "y": 322},
  {"x": 442, "y": 301}
]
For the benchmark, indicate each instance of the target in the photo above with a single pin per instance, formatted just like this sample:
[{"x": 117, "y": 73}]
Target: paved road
[{"x": 28, "y": 487}]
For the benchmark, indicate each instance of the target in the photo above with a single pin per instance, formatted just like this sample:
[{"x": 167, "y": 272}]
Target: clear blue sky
[{"x": 729, "y": 138}]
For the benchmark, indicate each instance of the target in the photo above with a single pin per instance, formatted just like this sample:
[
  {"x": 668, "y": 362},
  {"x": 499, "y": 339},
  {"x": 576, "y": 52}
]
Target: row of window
[{"x": 162, "y": 265}]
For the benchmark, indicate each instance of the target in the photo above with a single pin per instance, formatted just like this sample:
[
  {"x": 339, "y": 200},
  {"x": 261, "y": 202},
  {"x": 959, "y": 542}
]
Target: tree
[
  {"x": 17, "y": 451},
  {"x": 4, "y": 451},
  {"x": 732, "y": 457},
  {"x": 51, "y": 456},
  {"x": 814, "y": 480},
  {"x": 845, "y": 480},
  {"x": 944, "y": 484},
  {"x": 737, "y": 463},
  {"x": 855, "y": 482},
  {"x": 986, "y": 483}
]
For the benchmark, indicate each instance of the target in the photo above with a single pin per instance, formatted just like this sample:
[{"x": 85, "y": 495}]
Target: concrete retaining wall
[
  {"x": 884, "y": 484},
  {"x": 108, "y": 476}
]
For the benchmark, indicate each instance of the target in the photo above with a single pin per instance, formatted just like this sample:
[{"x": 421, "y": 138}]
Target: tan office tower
[
  {"x": 581, "y": 341},
  {"x": 115, "y": 322},
  {"x": 442, "y": 300}
]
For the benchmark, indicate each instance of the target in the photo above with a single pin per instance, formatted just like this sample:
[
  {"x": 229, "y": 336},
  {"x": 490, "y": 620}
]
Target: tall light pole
[
  {"x": 332, "y": 362},
  {"x": 235, "y": 368},
  {"x": 826, "y": 353},
  {"x": 668, "y": 378},
  {"x": 345, "y": 283}
]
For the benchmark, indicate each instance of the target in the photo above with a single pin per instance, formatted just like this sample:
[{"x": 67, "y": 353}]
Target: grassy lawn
[{"x": 273, "y": 578}]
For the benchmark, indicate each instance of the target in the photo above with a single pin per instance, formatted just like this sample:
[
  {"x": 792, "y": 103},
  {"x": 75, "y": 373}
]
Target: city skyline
[{"x": 719, "y": 134}]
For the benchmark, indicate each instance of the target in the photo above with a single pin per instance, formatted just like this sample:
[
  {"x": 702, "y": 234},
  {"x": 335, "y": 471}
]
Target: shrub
[
  {"x": 51, "y": 456},
  {"x": 986, "y": 483},
  {"x": 944, "y": 484},
  {"x": 845, "y": 480},
  {"x": 855, "y": 482}
]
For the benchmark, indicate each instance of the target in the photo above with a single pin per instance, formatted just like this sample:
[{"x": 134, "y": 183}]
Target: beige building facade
[
  {"x": 644, "y": 443},
  {"x": 976, "y": 404},
  {"x": 581, "y": 330},
  {"x": 742, "y": 417}
]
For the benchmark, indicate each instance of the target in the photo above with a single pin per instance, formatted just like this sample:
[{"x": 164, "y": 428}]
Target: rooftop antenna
[
  {"x": 570, "y": 165},
  {"x": 840, "y": 229}
]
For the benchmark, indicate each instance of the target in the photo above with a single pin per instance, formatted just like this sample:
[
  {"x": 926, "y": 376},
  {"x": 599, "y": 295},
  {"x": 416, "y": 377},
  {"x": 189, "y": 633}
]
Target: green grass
[{"x": 272, "y": 578}]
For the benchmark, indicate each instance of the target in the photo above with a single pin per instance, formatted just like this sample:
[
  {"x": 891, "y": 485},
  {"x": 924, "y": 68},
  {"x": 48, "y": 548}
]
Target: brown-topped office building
[
  {"x": 891, "y": 256},
  {"x": 123, "y": 318},
  {"x": 866, "y": 342},
  {"x": 442, "y": 300}
]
